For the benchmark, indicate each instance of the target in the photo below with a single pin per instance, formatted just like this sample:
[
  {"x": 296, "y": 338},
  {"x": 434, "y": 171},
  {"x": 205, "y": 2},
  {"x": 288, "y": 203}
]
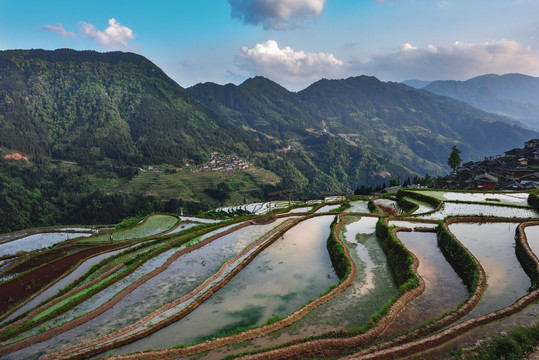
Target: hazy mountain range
[
  {"x": 515, "y": 96},
  {"x": 334, "y": 135}
]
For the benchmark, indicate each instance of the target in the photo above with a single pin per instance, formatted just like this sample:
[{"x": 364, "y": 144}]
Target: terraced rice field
[{"x": 269, "y": 285}]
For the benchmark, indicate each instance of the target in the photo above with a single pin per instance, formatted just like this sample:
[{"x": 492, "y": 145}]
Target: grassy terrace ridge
[
  {"x": 143, "y": 247},
  {"x": 190, "y": 184},
  {"x": 131, "y": 259}
]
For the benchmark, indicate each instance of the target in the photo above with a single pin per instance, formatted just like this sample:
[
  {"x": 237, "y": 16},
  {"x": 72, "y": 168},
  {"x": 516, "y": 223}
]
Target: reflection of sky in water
[
  {"x": 361, "y": 206},
  {"x": 411, "y": 224},
  {"x": 444, "y": 289},
  {"x": 423, "y": 207},
  {"x": 326, "y": 208},
  {"x": 514, "y": 198},
  {"x": 479, "y": 209},
  {"x": 389, "y": 203},
  {"x": 363, "y": 226},
  {"x": 291, "y": 271},
  {"x": 179, "y": 278},
  {"x": 532, "y": 234},
  {"x": 37, "y": 241},
  {"x": 493, "y": 245}
]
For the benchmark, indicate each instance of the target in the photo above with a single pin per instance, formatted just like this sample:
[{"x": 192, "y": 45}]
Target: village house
[{"x": 517, "y": 170}]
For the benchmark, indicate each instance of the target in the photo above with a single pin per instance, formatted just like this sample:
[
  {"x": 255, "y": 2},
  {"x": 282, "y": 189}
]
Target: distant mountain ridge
[
  {"x": 513, "y": 95},
  {"x": 333, "y": 136},
  {"x": 413, "y": 127}
]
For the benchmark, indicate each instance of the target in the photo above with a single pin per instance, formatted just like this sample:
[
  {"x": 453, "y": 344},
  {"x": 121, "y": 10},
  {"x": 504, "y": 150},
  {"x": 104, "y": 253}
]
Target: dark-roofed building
[
  {"x": 513, "y": 153},
  {"x": 532, "y": 143},
  {"x": 485, "y": 182}
]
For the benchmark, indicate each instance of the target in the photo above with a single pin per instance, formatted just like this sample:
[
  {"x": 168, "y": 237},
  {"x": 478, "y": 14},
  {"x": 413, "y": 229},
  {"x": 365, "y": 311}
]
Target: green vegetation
[
  {"x": 533, "y": 200},
  {"x": 459, "y": 258},
  {"x": 419, "y": 195},
  {"x": 399, "y": 257},
  {"x": 107, "y": 115},
  {"x": 336, "y": 253},
  {"x": 132, "y": 259},
  {"x": 527, "y": 261},
  {"x": 454, "y": 159},
  {"x": 152, "y": 225},
  {"x": 518, "y": 343},
  {"x": 372, "y": 206}
]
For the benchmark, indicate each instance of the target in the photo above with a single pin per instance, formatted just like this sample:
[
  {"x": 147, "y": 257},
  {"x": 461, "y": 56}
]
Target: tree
[{"x": 454, "y": 159}]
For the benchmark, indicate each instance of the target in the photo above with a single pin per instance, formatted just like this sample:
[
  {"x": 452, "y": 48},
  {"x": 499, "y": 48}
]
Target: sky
[{"x": 292, "y": 42}]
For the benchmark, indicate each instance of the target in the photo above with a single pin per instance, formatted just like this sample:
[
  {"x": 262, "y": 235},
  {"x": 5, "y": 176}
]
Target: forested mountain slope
[
  {"x": 415, "y": 128},
  {"x": 88, "y": 106}
]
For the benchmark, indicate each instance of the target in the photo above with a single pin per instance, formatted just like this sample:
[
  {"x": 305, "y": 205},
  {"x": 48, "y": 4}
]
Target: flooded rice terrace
[
  {"x": 282, "y": 274},
  {"x": 290, "y": 272},
  {"x": 179, "y": 278},
  {"x": 444, "y": 289},
  {"x": 493, "y": 244}
]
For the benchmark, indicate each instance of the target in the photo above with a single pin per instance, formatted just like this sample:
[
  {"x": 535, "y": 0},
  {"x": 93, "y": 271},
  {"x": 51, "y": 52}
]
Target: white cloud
[
  {"x": 287, "y": 65},
  {"x": 276, "y": 14},
  {"x": 116, "y": 36},
  {"x": 457, "y": 61},
  {"x": 59, "y": 29}
]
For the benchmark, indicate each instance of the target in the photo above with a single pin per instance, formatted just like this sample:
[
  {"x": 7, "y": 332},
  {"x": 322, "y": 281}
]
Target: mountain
[
  {"x": 87, "y": 106},
  {"x": 260, "y": 104},
  {"x": 414, "y": 128},
  {"x": 513, "y": 95},
  {"x": 416, "y": 84},
  {"x": 121, "y": 109}
]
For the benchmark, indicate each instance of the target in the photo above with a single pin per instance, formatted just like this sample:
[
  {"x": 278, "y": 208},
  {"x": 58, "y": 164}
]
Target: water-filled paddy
[
  {"x": 372, "y": 288},
  {"x": 360, "y": 206},
  {"x": 103, "y": 296},
  {"x": 480, "y": 209},
  {"x": 411, "y": 224},
  {"x": 181, "y": 227},
  {"x": 182, "y": 276},
  {"x": 493, "y": 244},
  {"x": 512, "y": 198},
  {"x": 53, "y": 290},
  {"x": 277, "y": 282},
  {"x": 423, "y": 207},
  {"x": 38, "y": 241},
  {"x": 327, "y": 208},
  {"x": 389, "y": 206},
  {"x": 444, "y": 289},
  {"x": 153, "y": 225}
]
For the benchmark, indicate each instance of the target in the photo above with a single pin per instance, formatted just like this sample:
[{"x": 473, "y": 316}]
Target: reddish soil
[
  {"x": 23, "y": 287},
  {"x": 386, "y": 209}
]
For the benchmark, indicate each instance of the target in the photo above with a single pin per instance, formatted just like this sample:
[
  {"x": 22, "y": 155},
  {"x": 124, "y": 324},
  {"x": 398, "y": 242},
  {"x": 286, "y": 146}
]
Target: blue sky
[{"x": 293, "y": 42}]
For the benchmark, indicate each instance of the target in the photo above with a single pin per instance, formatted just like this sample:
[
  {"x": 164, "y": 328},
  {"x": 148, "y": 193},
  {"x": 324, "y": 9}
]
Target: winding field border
[
  {"x": 412, "y": 343},
  {"x": 94, "y": 313},
  {"x": 246, "y": 335},
  {"x": 103, "y": 340},
  {"x": 367, "y": 337},
  {"x": 73, "y": 268}
]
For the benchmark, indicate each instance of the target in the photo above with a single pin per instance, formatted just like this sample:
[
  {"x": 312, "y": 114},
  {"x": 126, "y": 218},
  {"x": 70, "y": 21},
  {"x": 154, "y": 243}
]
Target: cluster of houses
[
  {"x": 509, "y": 172},
  {"x": 226, "y": 163}
]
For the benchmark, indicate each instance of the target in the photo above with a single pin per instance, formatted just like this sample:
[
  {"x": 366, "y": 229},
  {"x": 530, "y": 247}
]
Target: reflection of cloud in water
[
  {"x": 497, "y": 277},
  {"x": 493, "y": 245},
  {"x": 352, "y": 235}
]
